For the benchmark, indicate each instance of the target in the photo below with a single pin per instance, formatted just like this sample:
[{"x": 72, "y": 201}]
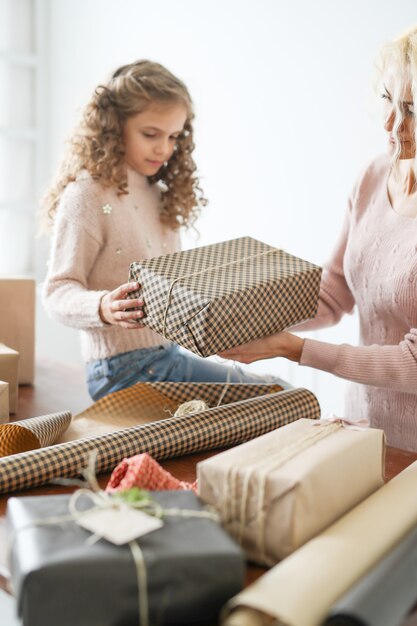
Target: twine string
[{"x": 230, "y": 488}]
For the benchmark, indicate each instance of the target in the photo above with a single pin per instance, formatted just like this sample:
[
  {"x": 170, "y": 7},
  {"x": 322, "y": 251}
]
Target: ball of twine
[{"x": 193, "y": 406}]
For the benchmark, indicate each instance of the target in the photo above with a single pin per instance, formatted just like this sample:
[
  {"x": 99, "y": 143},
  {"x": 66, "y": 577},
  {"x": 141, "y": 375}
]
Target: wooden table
[{"x": 60, "y": 387}]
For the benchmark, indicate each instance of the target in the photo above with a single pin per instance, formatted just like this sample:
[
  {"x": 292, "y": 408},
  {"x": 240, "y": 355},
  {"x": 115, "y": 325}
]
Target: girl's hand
[
  {"x": 114, "y": 307},
  {"x": 281, "y": 344}
]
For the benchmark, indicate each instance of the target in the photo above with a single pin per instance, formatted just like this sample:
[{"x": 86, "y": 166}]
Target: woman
[{"x": 373, "y": 267}]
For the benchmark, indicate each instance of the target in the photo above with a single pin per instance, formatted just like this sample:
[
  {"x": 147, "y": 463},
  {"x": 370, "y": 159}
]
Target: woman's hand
[
  {"x": 281, "y": 344},
  {"x": 114, "y": 307}
]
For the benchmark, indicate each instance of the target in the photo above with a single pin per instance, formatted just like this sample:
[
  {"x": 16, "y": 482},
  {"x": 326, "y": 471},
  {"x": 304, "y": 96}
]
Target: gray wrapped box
[{"x": 192, "y": 566}]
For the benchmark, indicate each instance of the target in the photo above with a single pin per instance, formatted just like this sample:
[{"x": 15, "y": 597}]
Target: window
[{"x": 22, "y": 159}]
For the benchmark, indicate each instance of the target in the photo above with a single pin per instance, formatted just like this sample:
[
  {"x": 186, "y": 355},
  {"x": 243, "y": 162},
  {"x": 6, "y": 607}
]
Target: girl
[
  {"x": 373, "y": 267},
  {"x": 126, "y": 187}
]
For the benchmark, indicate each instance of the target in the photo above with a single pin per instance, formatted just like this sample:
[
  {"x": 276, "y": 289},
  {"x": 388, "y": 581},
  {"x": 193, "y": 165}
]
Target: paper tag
[{"x": 119, "y": 526}]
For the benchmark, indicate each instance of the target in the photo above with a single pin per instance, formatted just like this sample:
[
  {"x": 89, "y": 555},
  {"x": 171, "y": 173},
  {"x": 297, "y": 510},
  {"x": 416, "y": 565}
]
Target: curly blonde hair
[
  {"x": 97, "y": 143},
  {"x": 400, "y": 57}
]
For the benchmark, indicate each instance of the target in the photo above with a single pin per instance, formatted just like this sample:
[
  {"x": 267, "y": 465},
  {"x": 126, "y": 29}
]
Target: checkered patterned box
[{"x": 216, "y": 297}]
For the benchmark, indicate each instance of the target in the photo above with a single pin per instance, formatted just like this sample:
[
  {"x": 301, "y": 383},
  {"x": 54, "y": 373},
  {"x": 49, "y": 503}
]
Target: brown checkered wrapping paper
[
  {"x": 216, "y": 297},
  {"x": 35, "y": 432},
  {"x": 157, "y": 401},
  {"x": 175, "y": 436}
]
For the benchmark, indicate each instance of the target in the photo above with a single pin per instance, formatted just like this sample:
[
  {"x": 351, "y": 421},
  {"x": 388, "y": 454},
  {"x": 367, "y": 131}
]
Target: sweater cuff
[{"x": 319, "y": 355}]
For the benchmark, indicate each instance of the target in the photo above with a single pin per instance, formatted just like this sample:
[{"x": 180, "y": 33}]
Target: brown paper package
[
  {"x": 276, "y": 492},
  {"x": 17, "y": 322},
  {"x": 4, "y": 402},
  {"x": 9, "y": 371}
]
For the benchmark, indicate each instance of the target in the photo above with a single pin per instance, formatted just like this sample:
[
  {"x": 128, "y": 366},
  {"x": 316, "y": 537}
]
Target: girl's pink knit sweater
[
  {"x": 373, "y": 266},
  {"x": 97, "y": 234}
]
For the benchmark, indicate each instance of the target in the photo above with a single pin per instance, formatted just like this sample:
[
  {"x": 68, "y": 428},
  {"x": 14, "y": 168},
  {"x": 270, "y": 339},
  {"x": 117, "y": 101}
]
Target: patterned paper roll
[
  {"x": 385, "y": 596},
  {"x": 29, "y": 434},
  {"x": 300, "y": 590},
  {"x": 215, "y": 428}
]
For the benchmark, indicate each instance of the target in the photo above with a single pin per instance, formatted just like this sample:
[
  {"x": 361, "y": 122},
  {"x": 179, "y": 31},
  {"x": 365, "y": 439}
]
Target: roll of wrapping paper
[
  {"x": 175, "y": 436},
  {"x": 139, "y": 404},
  {"x": 300, "y": 590},
  {"x": 385, "y": 596},
  {"x": 32, "y": 433}
]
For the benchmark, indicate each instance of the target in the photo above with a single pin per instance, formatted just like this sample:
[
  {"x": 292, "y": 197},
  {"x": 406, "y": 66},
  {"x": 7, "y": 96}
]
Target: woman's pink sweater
[{"x": 373, "y": 266}]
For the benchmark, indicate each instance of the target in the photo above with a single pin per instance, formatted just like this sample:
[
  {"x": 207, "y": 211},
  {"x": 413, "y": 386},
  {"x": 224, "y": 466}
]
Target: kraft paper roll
[
  {"x": 215, "y": 428},
  {"x": 300, "y": 590},
  {"x": 385, "y": 596}
]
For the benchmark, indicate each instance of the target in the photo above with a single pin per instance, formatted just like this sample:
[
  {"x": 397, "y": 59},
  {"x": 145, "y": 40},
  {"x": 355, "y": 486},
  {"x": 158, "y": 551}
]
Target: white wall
[{"x": 284, "y": 116}]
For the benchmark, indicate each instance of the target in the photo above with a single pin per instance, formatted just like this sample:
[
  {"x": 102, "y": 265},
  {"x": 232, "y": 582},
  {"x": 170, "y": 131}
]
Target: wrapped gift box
[
  {"x": 4, "y": 402},
  {"x": 216, "y": 297},
  {"x": 17, "y": 322},
  {"x": 193, "y": 567},
  {"x": 278, "y": 491},
  {"x": 9, "y": 372}
]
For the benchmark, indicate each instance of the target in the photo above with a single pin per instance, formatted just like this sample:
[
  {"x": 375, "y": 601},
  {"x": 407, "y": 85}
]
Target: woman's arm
[
  {"x": 392, "y": 367},
  {"x": 335, "y": 298}
]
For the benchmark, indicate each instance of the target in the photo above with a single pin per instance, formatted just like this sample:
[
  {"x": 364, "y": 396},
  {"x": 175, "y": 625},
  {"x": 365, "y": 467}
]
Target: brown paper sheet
[{"x": 150, "y": 402}]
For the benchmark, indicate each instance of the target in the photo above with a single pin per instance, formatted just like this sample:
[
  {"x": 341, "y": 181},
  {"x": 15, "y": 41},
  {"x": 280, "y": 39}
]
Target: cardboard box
[
  {"x": 17, "y": 322},
  {"x": 192, "y": 567},
  {"x": 278, "y": 491},
  {"x": 216, "y": 297},
  {"x": 9, "y": 372},
  {"x": 4, "y": 402}
]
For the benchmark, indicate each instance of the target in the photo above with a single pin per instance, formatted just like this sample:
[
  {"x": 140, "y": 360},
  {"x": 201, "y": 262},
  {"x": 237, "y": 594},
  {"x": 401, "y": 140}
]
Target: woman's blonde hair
[
  {"x": 399, "y": 56},
  {"x": 97, "y": 143}
]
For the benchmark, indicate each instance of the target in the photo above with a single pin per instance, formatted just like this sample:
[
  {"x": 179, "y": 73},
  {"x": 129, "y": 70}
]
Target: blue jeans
[{"x": 163, "y": 363}]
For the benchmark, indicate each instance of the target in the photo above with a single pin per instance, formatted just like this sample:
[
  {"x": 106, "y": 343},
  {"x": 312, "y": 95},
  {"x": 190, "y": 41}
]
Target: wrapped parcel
[
  {"x": 279, "y": 490},
  {"x": 219, "y": 296},
  {"x": 192, "y": 567}
]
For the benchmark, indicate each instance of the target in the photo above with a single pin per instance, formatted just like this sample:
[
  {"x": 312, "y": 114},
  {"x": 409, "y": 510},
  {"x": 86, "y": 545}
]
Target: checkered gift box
[{"x": 216, "y": 297}]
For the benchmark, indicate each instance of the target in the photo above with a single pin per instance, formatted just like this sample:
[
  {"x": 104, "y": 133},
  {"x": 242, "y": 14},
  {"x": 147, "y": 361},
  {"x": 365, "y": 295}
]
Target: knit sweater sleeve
[
  {"x": 335, "y": 297},
  {"x": 393, "y": 367},
  {"x": 75, "y": 247}
]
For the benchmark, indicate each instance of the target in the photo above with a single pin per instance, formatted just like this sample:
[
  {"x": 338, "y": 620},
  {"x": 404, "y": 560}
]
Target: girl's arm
[
  {"x": 66, "y": 296},
  {"x": 76, "y": 245}
]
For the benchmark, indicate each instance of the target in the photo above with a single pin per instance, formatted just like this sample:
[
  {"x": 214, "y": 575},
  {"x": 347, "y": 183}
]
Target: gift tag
[{"x": 119, "y": 526}]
